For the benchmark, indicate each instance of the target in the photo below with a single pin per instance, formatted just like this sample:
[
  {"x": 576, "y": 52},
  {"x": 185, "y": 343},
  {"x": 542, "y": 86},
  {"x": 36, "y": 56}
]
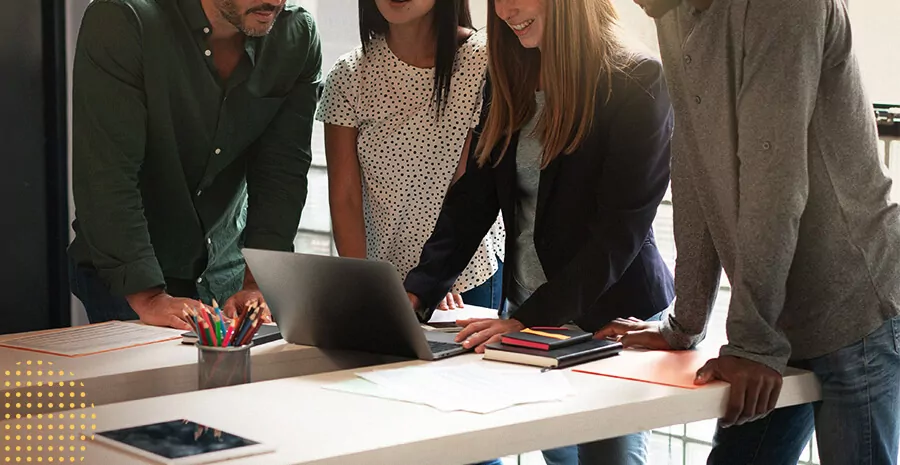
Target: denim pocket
[{"x": 895, "y": 326}]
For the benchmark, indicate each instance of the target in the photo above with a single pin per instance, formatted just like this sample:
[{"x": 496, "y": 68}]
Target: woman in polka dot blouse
[{"x": 398, "y": 114}]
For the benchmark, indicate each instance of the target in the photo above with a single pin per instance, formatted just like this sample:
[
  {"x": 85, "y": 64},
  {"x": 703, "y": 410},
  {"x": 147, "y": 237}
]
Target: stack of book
[{"x": 550, "y": 347}]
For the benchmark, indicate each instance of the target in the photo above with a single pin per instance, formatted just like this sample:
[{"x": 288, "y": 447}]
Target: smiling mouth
[{"x": 521, "y": 26}]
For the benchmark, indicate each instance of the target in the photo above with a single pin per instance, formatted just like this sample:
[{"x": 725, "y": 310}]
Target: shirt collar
[
  {"x": 251, "y": 46},
  {"x": 197, "y": 21},
  {"x": 194, "y": 14}
]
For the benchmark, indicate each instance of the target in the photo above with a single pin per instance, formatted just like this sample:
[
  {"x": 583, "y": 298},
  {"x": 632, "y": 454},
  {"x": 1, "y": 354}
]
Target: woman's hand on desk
[
  {"x": 451, "y": 302},
  {"x": 480, "y": 331},
  {"x": 156, "y": 308},
  {"x": 634, "y": 333}
]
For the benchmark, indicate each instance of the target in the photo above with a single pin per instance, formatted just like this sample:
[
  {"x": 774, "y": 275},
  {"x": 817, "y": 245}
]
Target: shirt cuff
[
  {"x": 776, "y": 363},
  {"x": 529, "y": 318},
  {"x": 673, "y": 334},
  {"x": 268, "y": 241},
  {"x": 133, "y": 277},
  {"x": 420, "y": 289}
]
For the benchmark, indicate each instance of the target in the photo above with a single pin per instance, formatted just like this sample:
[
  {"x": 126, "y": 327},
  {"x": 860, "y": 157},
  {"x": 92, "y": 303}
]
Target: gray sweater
[{"x": 776, "y": 178}]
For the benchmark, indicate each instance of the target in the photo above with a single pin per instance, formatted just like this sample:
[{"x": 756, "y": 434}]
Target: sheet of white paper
[
  {"x": 467, "y": 387},
  {"x": 368, "y": 388},
  {"x": 91, "y": 339},
  {"x": 465, "y": 313}
]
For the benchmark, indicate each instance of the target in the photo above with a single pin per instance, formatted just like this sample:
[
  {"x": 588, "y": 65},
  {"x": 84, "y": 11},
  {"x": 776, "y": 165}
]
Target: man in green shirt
[{"x": 191, "y": 139}]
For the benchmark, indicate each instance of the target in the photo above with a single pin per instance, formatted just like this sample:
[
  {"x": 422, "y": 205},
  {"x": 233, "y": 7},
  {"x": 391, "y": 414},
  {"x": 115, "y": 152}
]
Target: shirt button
[
  {"x": 206, "y": 30},
  {"x": 208, "y": 53},
  {"x": 208, "y": 241},
  {"x": 199, "y": 193},
  {"x": 766, "y": 145},
  {"x": 697, "y": 100},
  {"x": 687, "y": 59},
  {"x": 218, "y": 151},
  {"x": 199, "y": 280}
]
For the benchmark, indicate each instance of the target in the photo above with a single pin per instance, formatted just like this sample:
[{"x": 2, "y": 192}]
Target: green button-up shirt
[{"x": 174, "y": 170}]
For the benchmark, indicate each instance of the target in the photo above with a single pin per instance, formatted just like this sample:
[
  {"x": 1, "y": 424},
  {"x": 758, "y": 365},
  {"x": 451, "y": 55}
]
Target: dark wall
[{"x": 33, "y": 292}]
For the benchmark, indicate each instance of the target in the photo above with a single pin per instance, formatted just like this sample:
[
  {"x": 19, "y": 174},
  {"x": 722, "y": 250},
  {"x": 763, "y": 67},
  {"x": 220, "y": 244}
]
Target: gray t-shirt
[{"x": 528, "y": 274}]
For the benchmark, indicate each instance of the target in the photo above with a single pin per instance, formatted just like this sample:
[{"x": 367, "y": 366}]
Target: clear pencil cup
[{"x": 223, "y": 366}]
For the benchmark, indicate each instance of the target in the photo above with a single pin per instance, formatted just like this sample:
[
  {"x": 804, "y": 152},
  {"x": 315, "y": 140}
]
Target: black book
[{"x": 587, "y": 351}]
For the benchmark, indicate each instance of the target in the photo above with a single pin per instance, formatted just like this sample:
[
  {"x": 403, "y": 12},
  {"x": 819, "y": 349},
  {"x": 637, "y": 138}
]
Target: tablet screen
[{"x": 176, "y": 439}]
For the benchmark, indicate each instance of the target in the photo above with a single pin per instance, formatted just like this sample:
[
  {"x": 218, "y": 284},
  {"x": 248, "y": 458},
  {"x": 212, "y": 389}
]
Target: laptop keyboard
[{"x": 438, "y": 347}]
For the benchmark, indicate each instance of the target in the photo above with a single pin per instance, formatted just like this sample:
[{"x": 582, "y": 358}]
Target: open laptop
[{"x": 345, "y": 304}]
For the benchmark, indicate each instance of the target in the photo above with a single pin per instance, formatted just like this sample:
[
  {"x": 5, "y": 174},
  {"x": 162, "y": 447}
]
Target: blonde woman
[{"x": 573, "y": 149}]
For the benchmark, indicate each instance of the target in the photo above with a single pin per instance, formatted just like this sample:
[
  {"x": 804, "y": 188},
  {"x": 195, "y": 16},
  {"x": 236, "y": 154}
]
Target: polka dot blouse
[{"x": 407, "y": 158}]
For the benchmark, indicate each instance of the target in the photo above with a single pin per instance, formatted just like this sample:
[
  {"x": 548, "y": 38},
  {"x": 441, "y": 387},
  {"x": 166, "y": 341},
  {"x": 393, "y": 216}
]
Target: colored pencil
[
  {"x": 206, "y": 338},
  {"x": 196, "y": 323},
  {"x": 210, "y": 327},
  {"x": 220, "y": 335},
  {"x": 253, "y": 329},
  {"x": 190, "y": 321},
  {"x": 248, "y": 322},
  {"x": 230, "y": 333},
  {"x": 219, "y": 314}
]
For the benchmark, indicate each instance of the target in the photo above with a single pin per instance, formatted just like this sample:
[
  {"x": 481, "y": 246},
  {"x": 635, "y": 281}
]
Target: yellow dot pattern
[{"x": 43, "y": 437}]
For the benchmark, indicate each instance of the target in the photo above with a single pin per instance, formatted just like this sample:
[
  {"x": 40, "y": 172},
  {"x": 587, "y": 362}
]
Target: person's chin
[{"x": 528, "y": 43}]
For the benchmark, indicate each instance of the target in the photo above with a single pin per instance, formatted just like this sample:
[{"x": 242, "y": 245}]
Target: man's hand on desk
[
  {"x": 243, "y": 299},
  {"x": 754, "y": 386},
  {"x": 241, "y": 302},
  {"x": 157, "y": 308},
  {"x": 635, "y": 333},
  {"x": 480, "y": 331}
]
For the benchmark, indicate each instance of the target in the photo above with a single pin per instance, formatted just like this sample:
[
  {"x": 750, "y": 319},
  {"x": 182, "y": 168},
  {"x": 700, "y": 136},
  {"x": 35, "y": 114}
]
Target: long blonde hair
[{"x": 580, "y": 48}]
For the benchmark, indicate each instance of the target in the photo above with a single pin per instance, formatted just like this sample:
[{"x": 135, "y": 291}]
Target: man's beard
[{"x": 229, "y": 11}]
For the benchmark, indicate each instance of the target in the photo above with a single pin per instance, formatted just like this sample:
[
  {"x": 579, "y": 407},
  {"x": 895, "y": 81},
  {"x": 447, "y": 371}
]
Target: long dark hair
[{"x": 449, "y": 16}]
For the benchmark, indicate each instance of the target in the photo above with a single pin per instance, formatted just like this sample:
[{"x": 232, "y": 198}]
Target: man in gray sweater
[{"x": 776, "y": 178}]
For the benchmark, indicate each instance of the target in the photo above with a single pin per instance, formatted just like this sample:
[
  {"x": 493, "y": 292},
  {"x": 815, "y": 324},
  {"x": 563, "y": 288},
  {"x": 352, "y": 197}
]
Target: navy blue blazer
[{"x": 593, "y": 225}]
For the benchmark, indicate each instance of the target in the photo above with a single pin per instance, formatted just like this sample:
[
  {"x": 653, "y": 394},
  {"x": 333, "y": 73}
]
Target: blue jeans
[
  {"x": 487, "y": 294},
  {"x": 857, "y": 422},
  {"x": 624, "y": 450}
]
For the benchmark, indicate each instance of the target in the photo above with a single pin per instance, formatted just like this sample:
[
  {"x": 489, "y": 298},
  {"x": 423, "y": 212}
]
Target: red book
[{"x": 541, "y": 338}]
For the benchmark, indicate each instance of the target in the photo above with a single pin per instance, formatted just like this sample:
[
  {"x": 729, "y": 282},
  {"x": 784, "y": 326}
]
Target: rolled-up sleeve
[
  {"x": 109, "y": 136},
  {"x": 782, "y": 66}
]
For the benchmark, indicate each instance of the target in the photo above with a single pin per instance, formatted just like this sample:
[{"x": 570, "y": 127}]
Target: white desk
[
  {"x": 161, "y": 369},
  {"x": 311, "y": 425},
  {"x": 171, "y": 367}
]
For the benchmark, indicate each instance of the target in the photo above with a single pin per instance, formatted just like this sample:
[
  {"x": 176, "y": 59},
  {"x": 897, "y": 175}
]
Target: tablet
[{"x": 181, "y": 442}]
